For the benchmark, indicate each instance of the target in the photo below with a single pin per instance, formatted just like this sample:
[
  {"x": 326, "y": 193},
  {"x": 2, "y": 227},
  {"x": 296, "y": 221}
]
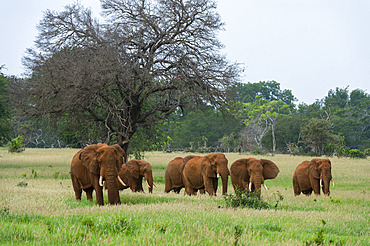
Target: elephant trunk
[
  {"x": 113, "y": 192},
  {"x": 326, "y": 185},
  {"x": 224, "y": 173}
]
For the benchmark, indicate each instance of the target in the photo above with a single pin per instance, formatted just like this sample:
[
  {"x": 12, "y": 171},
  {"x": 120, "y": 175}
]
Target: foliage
[
  {"x": 5, "y": 118},
  {"x": 355, "y": 153},
  {"x": 245, "y": 199},
  {"x": 16, "y": 145},
  {"x": 132, "y": 69},
  {"x": 316, "y": 134},
  {"x": 189, "y": 131}
]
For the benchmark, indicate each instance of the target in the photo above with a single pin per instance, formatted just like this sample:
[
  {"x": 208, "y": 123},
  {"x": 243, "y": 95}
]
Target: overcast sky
[{"x": 308, "y": 46}]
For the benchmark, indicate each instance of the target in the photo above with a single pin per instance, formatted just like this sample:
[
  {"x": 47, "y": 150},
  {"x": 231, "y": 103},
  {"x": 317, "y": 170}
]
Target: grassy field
[{"x": 37, "y": 207}]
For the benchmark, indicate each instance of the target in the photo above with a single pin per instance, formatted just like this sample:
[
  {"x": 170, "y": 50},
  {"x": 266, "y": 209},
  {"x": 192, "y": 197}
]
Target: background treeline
[{"x": 261, "y": 118}]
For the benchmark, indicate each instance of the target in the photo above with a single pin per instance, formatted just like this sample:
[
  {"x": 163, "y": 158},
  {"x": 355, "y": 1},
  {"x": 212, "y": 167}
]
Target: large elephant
[
  {"x": 202, "y": 172},
  {"x": 310, "y": 175},
  {"x": 173, "y": 175},
  {"x": 92, "y": 166},
  {"x": 251, "y": 173},
  {"x": 132, "y": 174}
]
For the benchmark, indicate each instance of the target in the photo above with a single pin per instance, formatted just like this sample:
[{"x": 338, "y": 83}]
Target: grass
[{"x": 37, "y": 206}]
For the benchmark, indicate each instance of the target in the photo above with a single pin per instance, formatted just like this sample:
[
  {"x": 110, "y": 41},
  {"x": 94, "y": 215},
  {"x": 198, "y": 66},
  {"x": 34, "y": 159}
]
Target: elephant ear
[
  {"x": 240, "y": 169},
  {"x": 88, "y": 157},
  {"x": 313, "y": 168},
  {"x": 121, "y": 152},
  {"x": 120, "y": 155},
  {"x": 133, "y": 168},
  {"x": 207, "y": 167},
  {"x": 270, "y": 170}
]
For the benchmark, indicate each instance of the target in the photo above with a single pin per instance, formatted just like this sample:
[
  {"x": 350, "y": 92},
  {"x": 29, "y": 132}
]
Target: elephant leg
[
  {"x": 215, "y": 185},
  {"x": 99, "y": 195},
  {"x": 307, "y": 192},
  {"x": 168, "y": 186},
  {"x": 297, "y": 190},
  {"x": 76, "y": 188},
  {"x": 202, "y": 191},
  {"x": 140, "y": 185},
  {"x": 89, "y": 192},
  {"x": 208, "y": 185},
  {"x": 177, "y": 190}
]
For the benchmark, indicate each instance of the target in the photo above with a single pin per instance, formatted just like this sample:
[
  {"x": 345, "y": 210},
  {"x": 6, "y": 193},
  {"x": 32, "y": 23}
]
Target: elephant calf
[
  {"x": 310, "y": 175},
  {"x": 132, "y": 174},
  {"x": 251, "y": 173}
]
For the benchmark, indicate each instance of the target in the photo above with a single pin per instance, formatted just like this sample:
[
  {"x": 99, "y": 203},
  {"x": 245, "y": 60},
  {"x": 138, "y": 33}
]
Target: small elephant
[
  {"x": 173, "y": 175},
  {"x": 251, "y": 173},
  {"x": 93, "y": 165},
  {"x": 310, "y": 175},
  {"x": 132, "y": 174},
  {"x": 202, "y": 172}
]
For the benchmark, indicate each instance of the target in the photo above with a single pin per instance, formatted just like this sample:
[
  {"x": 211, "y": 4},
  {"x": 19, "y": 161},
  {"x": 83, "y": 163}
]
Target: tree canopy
[{"x": 132, "y": 69}]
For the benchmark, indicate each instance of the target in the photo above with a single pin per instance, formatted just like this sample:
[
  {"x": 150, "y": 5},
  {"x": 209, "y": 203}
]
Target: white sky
[{"x": 308, "y": 46}]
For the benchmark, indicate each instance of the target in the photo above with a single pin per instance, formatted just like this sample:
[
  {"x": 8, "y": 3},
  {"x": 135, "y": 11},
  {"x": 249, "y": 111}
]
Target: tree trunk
[{"x": 273, "y": 138}]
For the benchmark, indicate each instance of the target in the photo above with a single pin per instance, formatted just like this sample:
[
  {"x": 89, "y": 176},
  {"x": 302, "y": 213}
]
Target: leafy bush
[
  {"x": 356, "y": 153},
  {"x": 245, "y": 199},
  {"x": 367, "y": 152},
  {"x": 16, "y": 145}
]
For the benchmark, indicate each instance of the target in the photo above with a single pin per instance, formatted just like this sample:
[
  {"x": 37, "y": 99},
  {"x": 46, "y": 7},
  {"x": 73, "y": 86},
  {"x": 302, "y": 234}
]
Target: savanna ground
[{"x": 37, "y": 207}]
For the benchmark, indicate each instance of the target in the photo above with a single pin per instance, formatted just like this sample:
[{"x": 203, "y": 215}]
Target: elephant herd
[{"x": 99, "y": 166}]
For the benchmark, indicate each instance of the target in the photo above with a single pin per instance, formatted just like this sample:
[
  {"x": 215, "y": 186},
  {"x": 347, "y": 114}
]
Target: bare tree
[{"x": 132, "y": 68}]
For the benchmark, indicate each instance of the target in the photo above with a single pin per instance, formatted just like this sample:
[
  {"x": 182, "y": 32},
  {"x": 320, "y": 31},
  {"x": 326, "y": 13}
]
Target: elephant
[
  {"x": 202, "y": 172},
  {"x": 132, "y": 174},
  {"x": 310, "y": 175},
  {"x": 173, "y": 174},
  {"x": 251, "y": 173},
  {"x": 93, "y": 165}
]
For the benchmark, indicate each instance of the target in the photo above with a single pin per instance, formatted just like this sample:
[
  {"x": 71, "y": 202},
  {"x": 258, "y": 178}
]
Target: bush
[
  {"x": 245, "y": 199},
  {"x": 367, "y": 152},
  {"x": 356, "y": 153},
  {"x": 16, "y": 145}
]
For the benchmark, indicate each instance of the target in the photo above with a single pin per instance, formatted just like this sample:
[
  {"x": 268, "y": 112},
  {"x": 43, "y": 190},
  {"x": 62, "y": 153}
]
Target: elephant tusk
[
  {"x": 121, "y": 181},
  {"x": 321, "y": 182},
  {"x": 101, "y": 181},
  {"x": 154, "y": 185},
  {"x": 147, "y": 183},
  {"x": 250, "y": 186},
  {"x": 332, "y": 182},
  {"x": 264, "y": 185},
  {"x": 218, "y": 175}
]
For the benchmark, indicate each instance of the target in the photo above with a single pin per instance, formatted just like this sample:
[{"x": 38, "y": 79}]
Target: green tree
[
  {"x": 268, "y": 90},
  {"x": 263, "y": 115},
  {"x": 5, "y": 116},
  {"x": 144, "y": 61},
  {"x": 191, "y": 129},
  {"x": 315, "y": 133}
]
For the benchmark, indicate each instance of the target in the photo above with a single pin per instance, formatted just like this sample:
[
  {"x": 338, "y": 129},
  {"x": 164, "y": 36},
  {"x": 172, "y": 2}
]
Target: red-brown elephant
[
  {"x": 310, "y": 175},
  {"x": 202, "y": 172},
  {"x": 173, "y": 175},
  {"x": 92, "y": 166},
  {"x": 251, "y": 173},
  {"x": 132, "y": 174}
]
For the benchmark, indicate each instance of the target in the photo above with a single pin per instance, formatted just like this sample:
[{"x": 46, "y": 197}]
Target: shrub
[
  {"x": 367, "y": 152},
  {"x": 356, "y": 153},
  {"x": 245, "y": 199},
  {"x": 16, "y": 145}
]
